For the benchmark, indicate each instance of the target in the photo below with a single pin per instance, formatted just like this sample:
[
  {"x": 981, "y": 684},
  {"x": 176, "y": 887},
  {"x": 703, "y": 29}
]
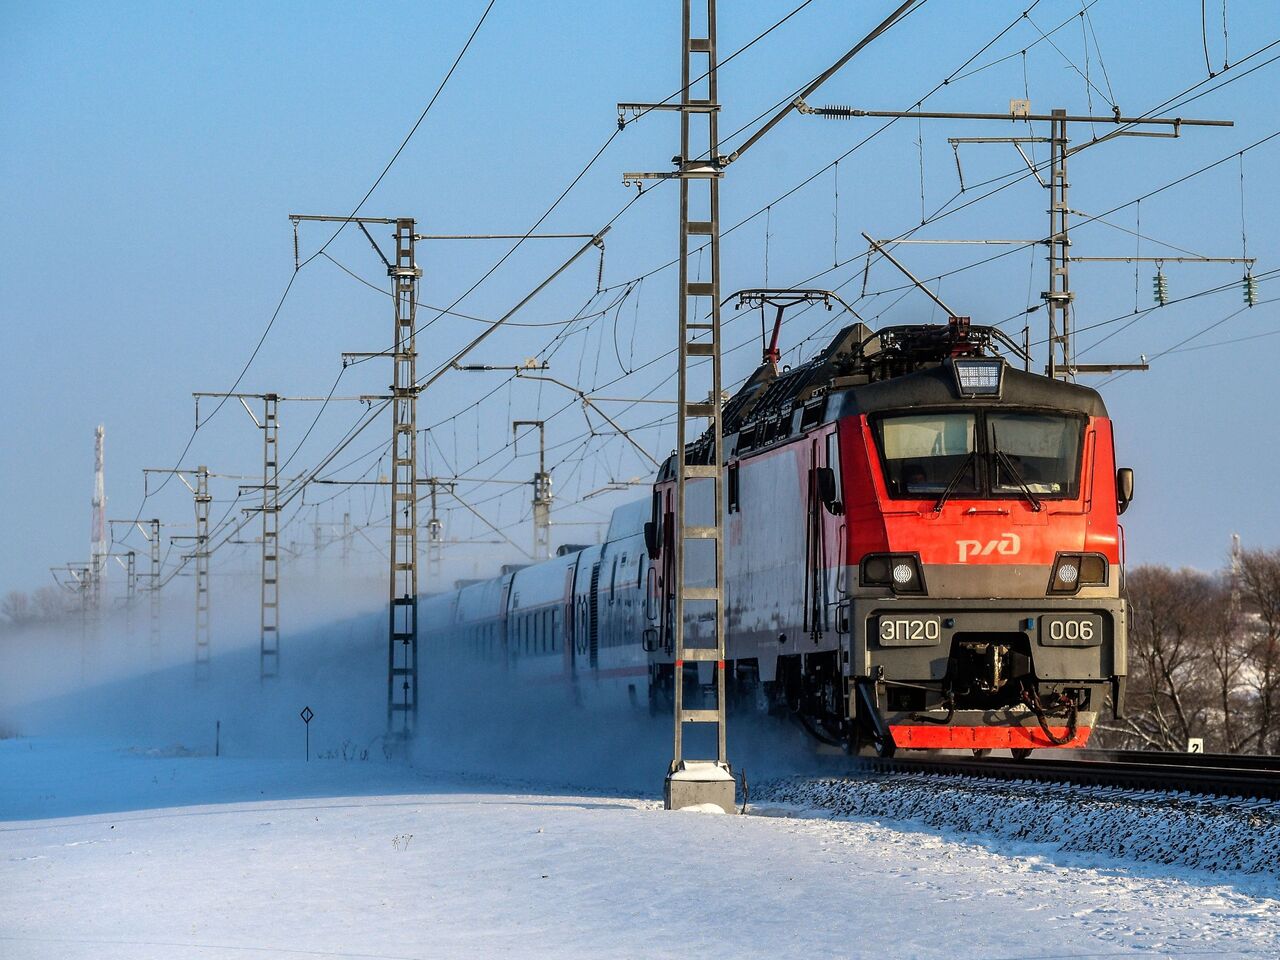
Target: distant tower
[
  {"x": 1235, "y": 573},
  {"x": 98, "y": 555}
]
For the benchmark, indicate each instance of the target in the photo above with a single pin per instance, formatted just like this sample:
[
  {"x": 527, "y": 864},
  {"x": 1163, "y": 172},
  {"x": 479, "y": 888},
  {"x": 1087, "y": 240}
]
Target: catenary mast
[{"x": 98, "y": 537}]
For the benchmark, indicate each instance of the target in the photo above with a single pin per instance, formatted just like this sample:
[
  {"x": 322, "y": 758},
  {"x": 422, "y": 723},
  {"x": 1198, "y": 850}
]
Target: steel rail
[
  {"x": 1206, "y": 775},
  {"x": 1246, "y": 761}
]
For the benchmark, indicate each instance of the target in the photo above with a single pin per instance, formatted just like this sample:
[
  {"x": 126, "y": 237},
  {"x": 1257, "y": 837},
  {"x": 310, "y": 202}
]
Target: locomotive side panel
[
  {"x": 765, "y": 535},
  {"x": 535, "y": 617},
  {"x": 624, "y": 566}
]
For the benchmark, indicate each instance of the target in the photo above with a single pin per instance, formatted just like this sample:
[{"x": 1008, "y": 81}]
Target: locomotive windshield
[
  {"x": 1036, "y": 451},
  {"x": 998, "y": 454},
  {"x": 924, "y": 453}
]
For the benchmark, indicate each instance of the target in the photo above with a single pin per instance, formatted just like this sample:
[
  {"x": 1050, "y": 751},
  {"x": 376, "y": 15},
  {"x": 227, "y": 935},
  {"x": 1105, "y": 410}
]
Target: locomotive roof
[
  {"x": 935, "y": 386},
  {"x": 628, "y": 520},
  {"x": 865, "y": 371}
]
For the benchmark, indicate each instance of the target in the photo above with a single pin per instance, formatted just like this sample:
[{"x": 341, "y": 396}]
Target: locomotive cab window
[
  {"x": 999, "y": 454},
  {"x": 924, "y": 453},
  {"x": 1038, "y": 452}
]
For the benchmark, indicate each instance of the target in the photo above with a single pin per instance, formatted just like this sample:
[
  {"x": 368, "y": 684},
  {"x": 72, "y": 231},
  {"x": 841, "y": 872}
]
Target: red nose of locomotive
[{"x": 984, "y": 559}]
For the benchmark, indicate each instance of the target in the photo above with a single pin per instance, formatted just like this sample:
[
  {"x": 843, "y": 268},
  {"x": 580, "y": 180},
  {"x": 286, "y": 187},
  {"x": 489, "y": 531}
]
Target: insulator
[
  {"x": 1160, "y": 288},
  {"x": 1250, "y": 289}
]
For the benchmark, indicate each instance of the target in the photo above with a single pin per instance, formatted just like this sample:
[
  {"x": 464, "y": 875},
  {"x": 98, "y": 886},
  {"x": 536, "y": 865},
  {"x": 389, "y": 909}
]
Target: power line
[
  {"x": 1199, "y": 333},
  {"x": 297, "y": 268},
  {"x": 609, "y": 140},
  {"x": 637, "y": 369}
]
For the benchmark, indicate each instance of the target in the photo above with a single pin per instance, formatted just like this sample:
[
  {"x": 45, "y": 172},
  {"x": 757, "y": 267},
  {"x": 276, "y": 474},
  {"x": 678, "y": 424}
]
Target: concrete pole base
[{"x": 701, "y": 784}]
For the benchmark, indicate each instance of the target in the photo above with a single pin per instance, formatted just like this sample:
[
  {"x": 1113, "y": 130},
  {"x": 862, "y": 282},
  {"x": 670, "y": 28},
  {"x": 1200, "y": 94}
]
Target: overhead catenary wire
[
  {"x": 1199, "y": 333},
  {"x": 1132, "y": 318},
  {"x": 292, "y": 490},
  {"x": 585, "y": 169},
  {"x": 954, "y": 76},
  {"x": 1166, "y": 186},
  {"x": 1087, "y": 219},
  {"x": 284, "y": 296},
  {"x": 944, "y": 211},
  {"x": 1204, "y": 36}
]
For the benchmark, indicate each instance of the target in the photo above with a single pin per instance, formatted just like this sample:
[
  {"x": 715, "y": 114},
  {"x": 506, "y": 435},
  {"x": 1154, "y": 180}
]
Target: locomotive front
[{"x": 983, "y": 598}]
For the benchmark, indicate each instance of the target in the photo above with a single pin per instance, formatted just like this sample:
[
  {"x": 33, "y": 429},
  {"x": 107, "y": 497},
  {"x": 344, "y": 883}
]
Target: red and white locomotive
[{"x": 922, "y": 552}]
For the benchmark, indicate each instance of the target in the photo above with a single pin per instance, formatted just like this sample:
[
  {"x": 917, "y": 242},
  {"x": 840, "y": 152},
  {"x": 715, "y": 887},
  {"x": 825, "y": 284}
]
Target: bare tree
[
  {"x": 16, "y": 608},
  {"x": 1227, "y": 654},
  {"x": 1204, "y": 658},
  {"x": 1178, "y": 618},
  {"x": 1259, "y": 576},
  {"x": 51, "y": 603}
]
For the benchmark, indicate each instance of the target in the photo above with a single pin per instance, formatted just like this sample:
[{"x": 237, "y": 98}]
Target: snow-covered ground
[
  {"x": 110, "y": 852},
  {"x": 1218, "y": 834},
  {"x": 525, "y": 826}
]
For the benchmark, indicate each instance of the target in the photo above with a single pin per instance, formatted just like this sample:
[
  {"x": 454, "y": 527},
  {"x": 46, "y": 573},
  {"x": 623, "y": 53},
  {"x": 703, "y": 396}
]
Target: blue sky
[{"x": 154, "y": 151}]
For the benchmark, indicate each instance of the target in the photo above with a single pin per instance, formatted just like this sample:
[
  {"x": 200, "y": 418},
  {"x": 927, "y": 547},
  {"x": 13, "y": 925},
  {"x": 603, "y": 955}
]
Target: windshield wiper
[
  {"x": 1003, "y": 457},
  {"x": 955, "y": 480}
]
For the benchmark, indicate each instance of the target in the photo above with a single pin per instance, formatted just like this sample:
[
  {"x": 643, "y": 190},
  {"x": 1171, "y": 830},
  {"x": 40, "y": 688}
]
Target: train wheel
[
  {"x": 982, "y": 751},
  {"x": 867, "y": 744},
  {"x": 1020, "y": 753},
  {"x": 883, "y": 746}
]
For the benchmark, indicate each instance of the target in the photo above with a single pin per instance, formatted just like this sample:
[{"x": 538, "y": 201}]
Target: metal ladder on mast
[
  {"x": 692, "y": 781},
  {"x": 202, "y": 501},
  {"x": 269, "y": 635},
  {"x": 402, "y": 673}
]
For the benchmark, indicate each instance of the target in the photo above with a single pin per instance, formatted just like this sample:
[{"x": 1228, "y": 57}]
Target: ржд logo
[{"x": 1007, "y": 545}]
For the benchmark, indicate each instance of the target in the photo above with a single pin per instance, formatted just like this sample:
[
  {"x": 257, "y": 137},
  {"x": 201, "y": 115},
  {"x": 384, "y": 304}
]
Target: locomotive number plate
[
  {"x": 1070, "y": 630},
  {"x": 910, "y": 631}
]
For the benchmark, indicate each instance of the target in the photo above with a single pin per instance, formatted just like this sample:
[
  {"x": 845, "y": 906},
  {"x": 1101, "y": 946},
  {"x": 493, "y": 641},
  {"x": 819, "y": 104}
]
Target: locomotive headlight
[
  {"x": 1071, "y": 571},
  {"x": 900, "y": 572},
  {"x": 978, "y": 376},
  {"x": 876, "y": 570}
]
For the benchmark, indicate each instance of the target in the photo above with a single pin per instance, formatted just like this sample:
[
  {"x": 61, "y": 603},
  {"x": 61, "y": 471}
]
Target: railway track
[
  {"x": 1248, "y": 761},
  {"x": 1221, "y": 775}
]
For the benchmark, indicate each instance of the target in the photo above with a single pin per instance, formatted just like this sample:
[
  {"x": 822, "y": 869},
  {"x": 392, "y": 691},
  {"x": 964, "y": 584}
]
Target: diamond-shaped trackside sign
[{"x": 306, "y": 714}]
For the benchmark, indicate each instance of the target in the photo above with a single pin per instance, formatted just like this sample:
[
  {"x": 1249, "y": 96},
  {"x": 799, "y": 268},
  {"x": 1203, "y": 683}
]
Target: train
[{"x": 923, "y": 551}]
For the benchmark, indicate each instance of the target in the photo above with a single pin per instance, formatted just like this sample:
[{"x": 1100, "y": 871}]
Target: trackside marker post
[{"x": 306, "y": 716}]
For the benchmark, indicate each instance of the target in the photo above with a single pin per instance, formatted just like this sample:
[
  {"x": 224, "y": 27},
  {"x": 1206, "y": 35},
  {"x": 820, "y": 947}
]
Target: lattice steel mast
[
  {"x": 699, "y": 168},
  {"x": 269, "y": 621},
  {"x": 269, "y": 424},
  {"x": 202, "y": 501},
  {"x": 99, "y": 545},
  {"x": 150, "y": 533},
  {"x": 402, "y": 674},
  {"x": 541, "y": 491},
  {"x": 697, "y": 781},
  {"x": 153, "y": 588},
  {"x": 699, "y": 337},
  {"x": 1059, "y": 296}
]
